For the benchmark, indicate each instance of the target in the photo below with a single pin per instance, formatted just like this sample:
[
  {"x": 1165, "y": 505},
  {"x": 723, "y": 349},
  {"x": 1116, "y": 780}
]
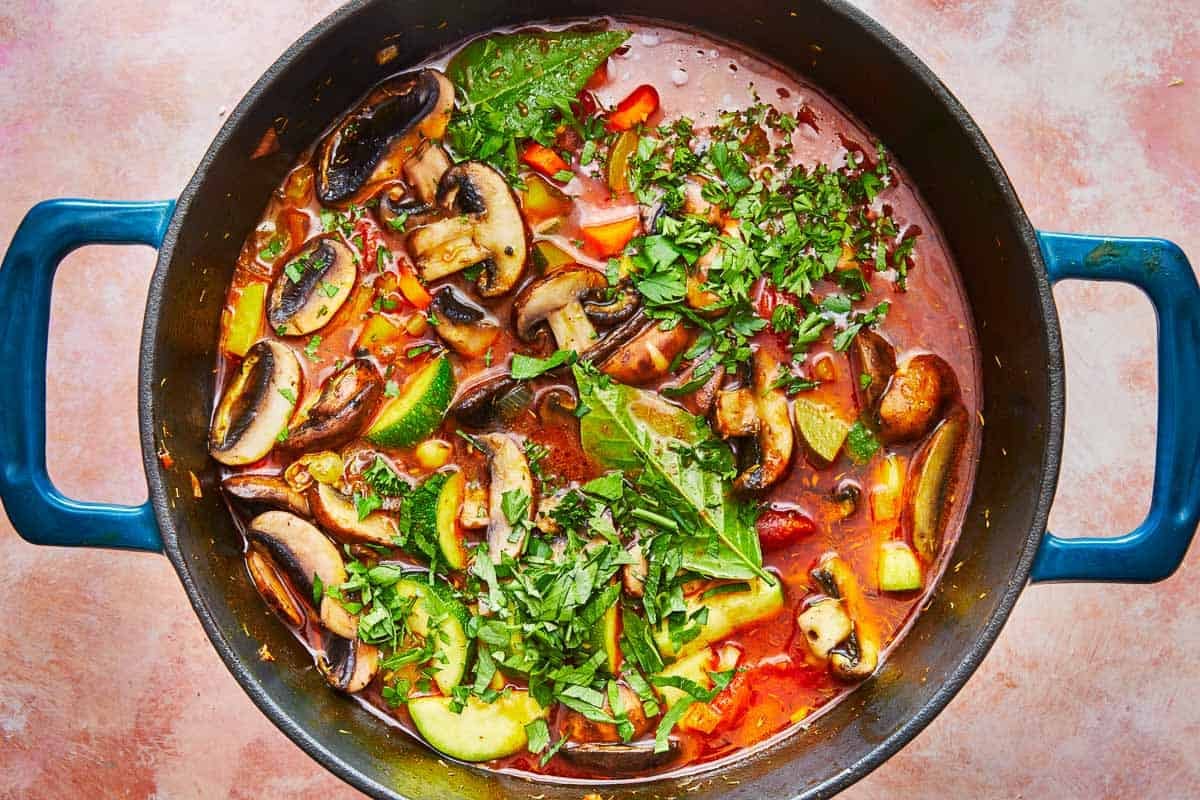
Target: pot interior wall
[{"x": 829, "y": 46}]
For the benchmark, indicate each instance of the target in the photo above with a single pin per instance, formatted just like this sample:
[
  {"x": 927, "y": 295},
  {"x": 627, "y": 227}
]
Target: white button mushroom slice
[
  {"x": 270, "y": 585},
  {"x": 648, "y": 356},
  {"x": 856, "y": 656},
  {"x": 557, "y": 299},
  {"x": 264, "y": 492},
  {"x": 509, "y": 475},
  {"x": 374, "y": 140},
  {"x": 464, "y": 326},
  {"x": 256, "y": 405},
  {"x": 633, "y": 575},
  {"x": 825, "y": 624},
  {"x": 424, "y": 169},
  {"x": 474, "y": 511},
  {"x": 335, "y": 512},
  {"x": 300, "y": 551},
  {"x": 483, "y": 226},
  {"x": 348, "y": 665},
  {"x": 855, "y": 659},
  {"x": 311, "y": 288},
  {"x": 735, "y": 413}
]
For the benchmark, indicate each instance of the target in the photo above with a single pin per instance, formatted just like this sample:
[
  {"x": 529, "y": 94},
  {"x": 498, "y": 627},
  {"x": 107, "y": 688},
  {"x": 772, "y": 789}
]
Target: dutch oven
[{"x": 1007, "y": 270}]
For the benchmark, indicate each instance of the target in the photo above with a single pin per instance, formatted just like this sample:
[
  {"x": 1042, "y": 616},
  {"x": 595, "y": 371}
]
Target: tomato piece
[
  {"x": 369, "y": 232},
  {"x": 634, "y": 109},
  {"x": 609, "y": 239},
  {"x": 780, "y": 527},
  {"x": 587, "y": 104},
  {"x": 544, "y": 160}
]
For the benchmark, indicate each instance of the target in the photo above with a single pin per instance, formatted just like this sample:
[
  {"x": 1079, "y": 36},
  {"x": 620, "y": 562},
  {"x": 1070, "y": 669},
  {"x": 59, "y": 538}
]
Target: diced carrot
[
  {"x": 544, "y": 160},
  {"x": 609, "y": 239},
  {"x": 634, "y": 109}
]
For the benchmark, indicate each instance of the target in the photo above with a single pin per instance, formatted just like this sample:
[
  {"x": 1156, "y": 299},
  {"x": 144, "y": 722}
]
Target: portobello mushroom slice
[
  {"x": 483, "y": 225},
  {"x": 582, "y": 731},
  {"x": 272, "y": 588},
  {"x": 464, "y": 326},
  {"x": 930, "y": 485},
  {"x": 871, "y": 356},
  {"x": 371, "y": 143},
  {"x": 347, "y": 664},
  {"x": 256, "y": 405},
  {"x": 508, "y": 472},
  {"x": 770, "y": 450},
  {"x": 648, "y": 356},
  {"x": 343, "y": 409},
  {"x": 335, "y": 512},
  {"x": 311, "y": 288},
  {"x": 617, "y": 758},
  {"x": 824, "y": 624},
  {"x": 300, "y": 551},
  {"x": 265, "y": 492},
  {"x": 913, "y": 401}
]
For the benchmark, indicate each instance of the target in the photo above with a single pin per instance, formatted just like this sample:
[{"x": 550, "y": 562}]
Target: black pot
[{"x": 1007, "y": 270}]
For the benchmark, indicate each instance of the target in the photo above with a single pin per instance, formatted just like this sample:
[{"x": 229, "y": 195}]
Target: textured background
[{"x": 108, "y": 686}]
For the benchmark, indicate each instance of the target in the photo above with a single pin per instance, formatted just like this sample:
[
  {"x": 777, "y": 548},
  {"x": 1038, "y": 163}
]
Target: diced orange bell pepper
[
  {"x": 412, "y": 289},
  {"x": 634, "y": 109},
  {"x": 544, "y": 160},
  {"x": 609, "y": 239}
]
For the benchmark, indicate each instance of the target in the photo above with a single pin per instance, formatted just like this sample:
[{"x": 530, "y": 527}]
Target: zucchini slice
[
  {"x": 436, "y": 613},
  {"x": 822, "y": 430},
  {"x": 437, "y": 521},
  {"x": 694, "y": 667},
  {"x": 727, "y": 613},
  {"x": 607, "y": 638},
  {"x": 418, "y": 410},
  {"x": 482, "y": 731}
]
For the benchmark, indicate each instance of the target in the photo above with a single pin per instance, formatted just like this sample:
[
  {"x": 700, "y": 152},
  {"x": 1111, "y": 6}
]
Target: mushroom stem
[
  {"x": 509, "y": 475},
  {"x": 571, "y": 328},
  {"x": 449, "y": 247}
]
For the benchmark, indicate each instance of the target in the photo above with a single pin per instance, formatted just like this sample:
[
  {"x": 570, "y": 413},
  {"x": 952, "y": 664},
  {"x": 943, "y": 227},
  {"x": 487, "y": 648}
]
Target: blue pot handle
[
  {"x": 39, "y": 511},
  {"x": 1156, "y": 547}
]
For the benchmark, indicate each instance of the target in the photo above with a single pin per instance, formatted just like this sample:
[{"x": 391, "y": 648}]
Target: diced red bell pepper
[
  {"x": 634, "y": 109},
  {"x": 609, "y": 239},
  {"x": 544, "y": 160},
  {"x": 780, "y": 527}
]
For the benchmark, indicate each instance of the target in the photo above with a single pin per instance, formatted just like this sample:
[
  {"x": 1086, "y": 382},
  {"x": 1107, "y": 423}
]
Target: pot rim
[{"x": 884, "y": 749}]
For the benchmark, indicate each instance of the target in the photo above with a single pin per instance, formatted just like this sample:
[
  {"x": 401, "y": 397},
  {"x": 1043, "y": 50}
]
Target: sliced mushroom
[
  {"x": 580, "y": 730},
  {"x": 335, "y": 512},
  {"x": 824, "y": 624},
  {"x": 930, "y": 485},
  {"x": 480, "y": 403},
  {"x": 557, "y": 300},
  {"x": 483, "y": 226},
  {"x": 735, "y": 413},
  {"x": 300, "y": 551},
  {"x": 694, "y": 202},
  {"x": 271, "y": 586},
  {"x": 872, "y": 363},
  {"x": 508, "y": 472},
  {"x": 700, "y": 400},
  {"x": 913, "y": 401},
  {"x": 256, "y": 405},
  {"x": 775, "y": 439},
  {"x": 699, "y": 298},
  {"x": 855, "y": 659},
  {"x": 558, "y": 406},
  {"x": 633, "y": 574},
  {"x": 649, "y": 355},
  {"x": 265, "y": 491},
  {"x": 345, "y": 406},
  {"x": 462, "y": 324},
  {"x": 424, "y": 170},
  {"x": 371, "y": 143},
  {"x": 474, "y": 512},
  {"x": 348, "y": 664},
  {"x": 616, "y": 758},
  {"x": 613, "y": 306},
  {"x": 399, "y": 211},
  {"x": 311, "y": 288}
]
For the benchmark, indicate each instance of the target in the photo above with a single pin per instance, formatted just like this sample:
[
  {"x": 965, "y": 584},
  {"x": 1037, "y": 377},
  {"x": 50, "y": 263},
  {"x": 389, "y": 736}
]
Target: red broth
[{"x": 782, "y": 686}]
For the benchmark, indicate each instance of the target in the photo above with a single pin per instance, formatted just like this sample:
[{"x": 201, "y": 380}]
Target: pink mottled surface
[{"x": 108, "y": 686}]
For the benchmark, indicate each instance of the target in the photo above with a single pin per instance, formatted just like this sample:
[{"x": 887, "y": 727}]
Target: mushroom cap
[
  {"x": 300, "y": 301},
  {"x": 552, "y": 292},
  {"x": 348, "y": 664},
  {"x": 256, "y": 404},
  {"x": 462, "y": 324},
  {"x": 372, "y": 142},
  {"x": 298, "y": 549},
  {"x": 265, "y": 491}
]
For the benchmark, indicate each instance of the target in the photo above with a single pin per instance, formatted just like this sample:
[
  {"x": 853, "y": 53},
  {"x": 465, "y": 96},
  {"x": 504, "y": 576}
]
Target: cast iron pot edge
[{"x": 973, "y": 655}]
